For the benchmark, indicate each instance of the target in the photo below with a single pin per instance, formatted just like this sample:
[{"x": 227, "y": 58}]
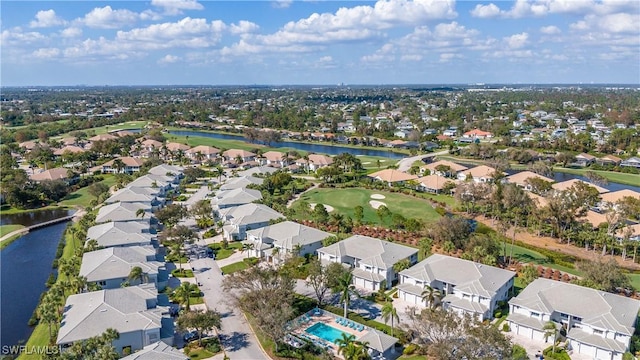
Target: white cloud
[
  {"x": 413, "y": 57},
  {"x": 16, "y": 37},
  {"x": 538, "y": 8},
  {"x": 609, "y": 24},
  {"x": 447, "y": 57},
  {"x": 516, "y": 41},
  {"x": 243, "y": 27},
  {"x": 107, "y": 18},
  {"x": 281, "y": 4},
  {"x": 46, "y": 18},
  {"x": 176, "y": 7},
  {"x": 550, "y": 30},
  {"x": 188, "y": 32},
  {"x": 169, "y": 59},
  {"x": 486, "y": 11},
  {"x": 71, "y": 32},
  {"x": 46, "y": 53},
  {"x": 325, "y": 62},
  {"x": 357, "y": 23}
]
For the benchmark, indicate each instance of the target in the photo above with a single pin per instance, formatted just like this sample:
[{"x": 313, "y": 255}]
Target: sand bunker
[
  {"x": 376, "y": 204},
  {"x": 329, "y": 208},
  {"x": 377, "y": 196}
]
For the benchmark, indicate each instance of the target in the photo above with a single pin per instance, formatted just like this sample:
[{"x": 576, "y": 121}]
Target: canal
[
  {"x": 25, "y": 266},
  {"x": 308, "y": 147}
]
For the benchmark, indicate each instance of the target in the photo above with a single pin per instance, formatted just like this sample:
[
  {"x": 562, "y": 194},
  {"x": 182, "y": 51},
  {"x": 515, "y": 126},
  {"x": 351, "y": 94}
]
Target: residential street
[
  {"x": 237, "y": 338},
  {"x": 405, "y": 164}
]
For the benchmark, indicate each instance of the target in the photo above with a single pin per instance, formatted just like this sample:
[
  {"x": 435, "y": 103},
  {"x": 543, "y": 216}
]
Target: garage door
[
  {"x": 410, "y": 298},
  {"x": 603, "y": 354},
  {"x": 359, "y": 282},
  {"x": 525, "y": 331},
  {"x": 584, "y": 349}
]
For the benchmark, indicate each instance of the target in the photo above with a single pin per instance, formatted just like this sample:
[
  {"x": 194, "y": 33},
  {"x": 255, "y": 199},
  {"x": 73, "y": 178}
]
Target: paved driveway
[{"x": 237, "y": 338}]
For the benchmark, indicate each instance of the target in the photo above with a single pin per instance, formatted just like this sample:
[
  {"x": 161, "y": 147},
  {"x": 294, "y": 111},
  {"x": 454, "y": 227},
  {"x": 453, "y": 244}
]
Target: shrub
[
  {"x": 251, "y": 261},
  {"x": 560, "y": 353},
  {"x": 209, "y": 233},
  {"x": 441, "y": 211},
  {"x": 410, "y": 349},
  {"x": 505, "y": 327},
  {"x": 497, "y": 314}
]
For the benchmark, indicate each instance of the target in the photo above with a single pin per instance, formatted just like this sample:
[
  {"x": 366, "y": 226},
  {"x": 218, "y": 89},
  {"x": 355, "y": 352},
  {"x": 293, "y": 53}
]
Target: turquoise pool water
[{"x": 325, "y": 332}]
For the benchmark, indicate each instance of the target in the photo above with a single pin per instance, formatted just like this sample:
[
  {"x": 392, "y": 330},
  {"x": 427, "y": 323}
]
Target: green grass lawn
[
  {"x": 371, "y": 162},
  {"x": 40, "y": 335},
  {"x": 225, "y": 253},
  {"x": 530, "y": 256},
  {"x": 81, "y": 197},
  {"x": 344, "y": 201},
  {"x": 621, "y": 178},
  {"x": 5, "y": 229},
  {"x": 217, "y": 143},
  {"x": 104, "y": 129},
  {"x": 200, "y": 354},
  {"x": 8, "y": 210},
  {"x": 231, "y": 268},
  {"x": 635, "y": 280}
]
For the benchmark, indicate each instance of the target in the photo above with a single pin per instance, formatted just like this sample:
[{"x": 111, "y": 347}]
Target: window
[
  {"x": 535, "y": 314},
  {"x": 598, "y": 332},
  {"x": 102, "y": 283}
]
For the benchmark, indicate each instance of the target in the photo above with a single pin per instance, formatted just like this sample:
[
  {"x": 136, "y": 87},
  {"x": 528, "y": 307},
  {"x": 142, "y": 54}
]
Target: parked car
[{"x": 190, "y": 336}]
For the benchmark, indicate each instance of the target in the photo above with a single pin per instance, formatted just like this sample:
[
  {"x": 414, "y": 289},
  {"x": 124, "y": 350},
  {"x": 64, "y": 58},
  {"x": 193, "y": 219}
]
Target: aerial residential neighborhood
[{"x": 377, "y": 238}]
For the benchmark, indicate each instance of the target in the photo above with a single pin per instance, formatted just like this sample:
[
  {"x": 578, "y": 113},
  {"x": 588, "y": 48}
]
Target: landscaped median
[{"x": 238, "y": 266}]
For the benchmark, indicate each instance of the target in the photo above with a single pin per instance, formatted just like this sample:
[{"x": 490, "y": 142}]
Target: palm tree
[
  {"x": 401, "y": 265},
  {"x": 78, "y": 283},
  {"x": 247, "y": 247},
  {"x": 92, "y": 245},
  {"x": 48, "y": 312},
  {"x": 296, "y": 250},
  {"x": 183, "y": 293},
  {"x": 346, "y": 288},
  {"x": 389, "y": 312},
  {"x": 431, "y": 296},
  {"x": 346, "y": 345},
  {"x": 136, "y": 273},
  {"x": 118, "y": 164},
  {"x": 550, "y": 329},
  {"x": 140, "y": 213}
]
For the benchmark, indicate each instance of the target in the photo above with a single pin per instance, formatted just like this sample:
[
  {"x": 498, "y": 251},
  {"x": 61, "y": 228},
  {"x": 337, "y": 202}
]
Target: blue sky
[{"x": 177, "y": 42}]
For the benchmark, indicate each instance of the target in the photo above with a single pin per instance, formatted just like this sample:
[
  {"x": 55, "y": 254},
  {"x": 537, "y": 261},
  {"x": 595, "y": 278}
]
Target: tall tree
[
  {"x": 389, "y": 312},
  {"x": 200, "y": 321},
  {"x": 344, "y": 286},
  {"x": 431, "y": 296}
]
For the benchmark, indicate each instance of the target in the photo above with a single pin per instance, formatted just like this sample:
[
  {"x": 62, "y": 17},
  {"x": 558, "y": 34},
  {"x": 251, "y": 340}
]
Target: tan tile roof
[
  {"x": 455, "y": 167},
  {"x": 618, "y": 195},
  {"x": 435, "y": 182},
  {"x": 392, "y": 175},
  {"x": 480, "y": 171},
  {"x": 51, "y": 174},
  {"x": 102, "y": 137},
  {"x": 519, "y": 178},
  {"x": 561, "y": 186}
]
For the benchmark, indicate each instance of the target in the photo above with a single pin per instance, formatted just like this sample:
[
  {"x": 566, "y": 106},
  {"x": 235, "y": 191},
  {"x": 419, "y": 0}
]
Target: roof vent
[{"x": 103, "y": 310}]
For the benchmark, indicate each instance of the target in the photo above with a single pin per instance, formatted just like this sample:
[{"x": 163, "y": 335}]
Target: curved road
[
  {"x": 405, "y": 164},
  {"x": 237, "y": 338}
]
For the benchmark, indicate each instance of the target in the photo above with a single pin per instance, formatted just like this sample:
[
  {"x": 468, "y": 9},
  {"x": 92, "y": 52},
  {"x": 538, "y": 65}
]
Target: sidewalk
[{"x": 234, "y": 258}]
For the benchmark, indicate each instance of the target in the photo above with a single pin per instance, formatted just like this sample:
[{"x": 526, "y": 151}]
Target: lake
[
  {"x": 26, "y": 265},
  {"x": 309, "y": 147},
  {"x": 34, "y": 217}
]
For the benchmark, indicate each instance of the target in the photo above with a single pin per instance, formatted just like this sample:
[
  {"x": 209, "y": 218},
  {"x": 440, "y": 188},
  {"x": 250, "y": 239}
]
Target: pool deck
[{"x": 331, "y": 321}]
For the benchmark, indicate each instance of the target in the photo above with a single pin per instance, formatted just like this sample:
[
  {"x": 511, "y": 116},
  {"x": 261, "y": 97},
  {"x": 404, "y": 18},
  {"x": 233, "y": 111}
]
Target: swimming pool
[{"x": 325, "y": 332}]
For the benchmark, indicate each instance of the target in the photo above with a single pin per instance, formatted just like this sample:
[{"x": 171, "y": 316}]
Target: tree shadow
[{"x": 234, "y": 341}]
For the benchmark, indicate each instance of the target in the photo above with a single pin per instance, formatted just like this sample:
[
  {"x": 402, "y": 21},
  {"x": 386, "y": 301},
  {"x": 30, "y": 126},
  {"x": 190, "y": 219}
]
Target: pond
[
  {"x": 34, "y": 217},
  {"x": 309, "y": 147},
  {"x": 26, "y": 265}
]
